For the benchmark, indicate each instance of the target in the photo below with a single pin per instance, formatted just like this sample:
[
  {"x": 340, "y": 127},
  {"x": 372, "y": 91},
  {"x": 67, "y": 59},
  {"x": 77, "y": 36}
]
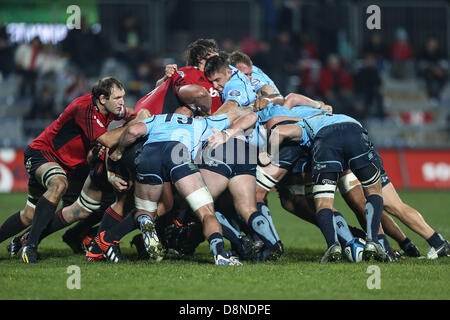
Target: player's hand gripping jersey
[{"x": 163, "y": 99}]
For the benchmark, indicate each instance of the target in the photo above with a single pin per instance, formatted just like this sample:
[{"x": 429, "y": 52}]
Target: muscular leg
[{"x": 405, "y": 213}]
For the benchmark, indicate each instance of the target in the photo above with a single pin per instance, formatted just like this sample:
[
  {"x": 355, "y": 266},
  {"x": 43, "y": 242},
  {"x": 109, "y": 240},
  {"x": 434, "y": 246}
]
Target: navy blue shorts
[
  {"x": 236, "y": 157},
  {"x": 160, "y": 162},
  {"x": 341, "y": 146},
  {"x": 379, "y": 162}
]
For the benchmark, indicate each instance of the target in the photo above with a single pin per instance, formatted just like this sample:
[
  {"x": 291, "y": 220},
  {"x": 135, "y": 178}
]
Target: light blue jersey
[
  {"x": 239, "y": 89},
  {"x": 312, "y": 125},
  {"x": 191, "y": 132},
  {"x": 277, "y": 110},
  {"x": 259, "y": 79}
]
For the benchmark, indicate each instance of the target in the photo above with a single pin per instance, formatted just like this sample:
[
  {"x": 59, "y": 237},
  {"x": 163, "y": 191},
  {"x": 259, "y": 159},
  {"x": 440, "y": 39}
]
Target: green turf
[{"x": 296, "y": 275}]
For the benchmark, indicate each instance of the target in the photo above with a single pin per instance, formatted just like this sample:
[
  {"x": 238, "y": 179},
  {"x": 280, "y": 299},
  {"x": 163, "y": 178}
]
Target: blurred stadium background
[{"x": 394, "y": 80}]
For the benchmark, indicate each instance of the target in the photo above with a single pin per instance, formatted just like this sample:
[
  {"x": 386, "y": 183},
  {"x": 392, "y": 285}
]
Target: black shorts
[
  {"x": 341, "y": 146},
  {"x": 160, "y": 162},
  {"x": 235, "y": 157},
  {"x": 34, "y": 158}
]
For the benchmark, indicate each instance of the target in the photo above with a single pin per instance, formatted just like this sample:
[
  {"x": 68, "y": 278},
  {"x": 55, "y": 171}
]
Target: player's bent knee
[
  {"x": 348, "y": 182},
  {"x": 145, "y": 205},
  {"x": 325, "y": 185},
  {"x": 87, "y": 204},
  {"x": 264, "y": 180},
  {"x": 53, "y": 175},
  {"x": 369, "y": 175},
  {"x": 199, "y": 198}
]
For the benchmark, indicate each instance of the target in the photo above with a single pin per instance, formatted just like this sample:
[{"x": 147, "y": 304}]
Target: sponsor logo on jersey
[
  {"x": 234, "y": 93},
  {"x": 99, "y": 122}
]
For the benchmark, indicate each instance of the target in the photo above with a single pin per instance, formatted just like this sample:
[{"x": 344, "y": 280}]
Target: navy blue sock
[
  {"x": 382, "y": 239},
  {"x": 261, "y": 226},
  {"x": 342, "y": 229},
  {"x": 228, "y": 230},
  {"x": 264, "y": 210},
  {"x": 374, "y": 209},
  {"x": 435, "y": 240},
  {"x": 216, "y": 244},
  {"x": 325, "y": 220}
]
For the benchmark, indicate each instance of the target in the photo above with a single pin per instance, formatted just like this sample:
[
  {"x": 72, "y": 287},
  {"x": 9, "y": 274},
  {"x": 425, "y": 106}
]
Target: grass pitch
[{"x": 296, "y": 275}]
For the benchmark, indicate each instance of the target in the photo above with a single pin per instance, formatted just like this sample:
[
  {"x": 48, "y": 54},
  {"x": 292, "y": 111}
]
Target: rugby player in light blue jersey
[
  {"x": 172, "y": 141},
  {"x": 289, "y": 156},
  {"x": 337, "y": 142},
  {"x": 261, "y": 82}
]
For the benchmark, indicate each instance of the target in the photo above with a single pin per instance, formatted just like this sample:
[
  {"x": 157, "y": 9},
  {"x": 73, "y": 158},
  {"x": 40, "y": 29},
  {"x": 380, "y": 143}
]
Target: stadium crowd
[{"x": 317, "y": 60}]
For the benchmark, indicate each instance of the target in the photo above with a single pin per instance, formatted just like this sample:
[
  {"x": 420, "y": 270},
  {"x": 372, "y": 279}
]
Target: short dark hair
[
  {"x": 104, "y": 87},
  {"x": 215, "y": 64},
  {"x": 240, "y": 57},
  {"x": 198, "y": 50}
]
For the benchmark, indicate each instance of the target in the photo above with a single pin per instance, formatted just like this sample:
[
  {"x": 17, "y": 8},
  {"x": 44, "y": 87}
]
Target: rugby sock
[
  {"x": 42, "y": 215},
  {"x": 56, "y": 223},
  {"x": 117, "y": 232},
  {"x": 261, "y": 226},
  {"x": 110, "y": 219},
  {"x": 180, "y": 217},
  {"x": 435, "y": 240},
  {"x": 264, "y": 210},
  {"x": 382, "y": 239},
  {"x": 374, "y": 209},
  {"x": 325, "y": 220},
  {"x": 12, "y": 226},
  {"x": 216, "y": 244},
  {"x": 228, "y": 231},
  {"x": 342, "y": 229}
]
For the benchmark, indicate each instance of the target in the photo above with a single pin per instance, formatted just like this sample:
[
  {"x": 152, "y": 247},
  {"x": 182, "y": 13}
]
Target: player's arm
[
  {"x": 286, "y": 132},
  {"x": 295, "y": 99},
  {"x": 263, "y": 101},
  {"x": 127, "y": 138},
  {"x": 111, "y": 137},
  {"x": 243, "y": 123},
  {"x": 228, "y": 106},
  {"x": 169, "y": 71},
  {"x": 266, "y": 90}
]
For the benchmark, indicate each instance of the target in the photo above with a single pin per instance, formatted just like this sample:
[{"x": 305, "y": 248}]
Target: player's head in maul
[
  {"x": 217, "y": 71},
  {"x": 199, "y": 51},
  {"x": 109, "y": 94}
]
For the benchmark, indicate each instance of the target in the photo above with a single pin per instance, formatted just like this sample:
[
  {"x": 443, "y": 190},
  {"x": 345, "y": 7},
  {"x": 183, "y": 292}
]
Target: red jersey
[
  {"x": 70, "y": 137},
  {"x": 163, "y": 99}
]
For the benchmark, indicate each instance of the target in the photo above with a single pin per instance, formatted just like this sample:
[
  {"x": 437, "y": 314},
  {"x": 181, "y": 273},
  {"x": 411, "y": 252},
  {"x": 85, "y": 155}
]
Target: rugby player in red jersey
[
  {"x": 185, "y": 86},
  {"x": 57, "y": 159}
]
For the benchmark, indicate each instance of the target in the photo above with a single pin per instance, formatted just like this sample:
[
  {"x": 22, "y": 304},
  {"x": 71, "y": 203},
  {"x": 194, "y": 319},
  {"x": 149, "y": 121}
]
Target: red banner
[
  {"x": 428, "y": 169},
  {"x": 13, "y": 176},
  {"x": 415, "y": 169}
]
